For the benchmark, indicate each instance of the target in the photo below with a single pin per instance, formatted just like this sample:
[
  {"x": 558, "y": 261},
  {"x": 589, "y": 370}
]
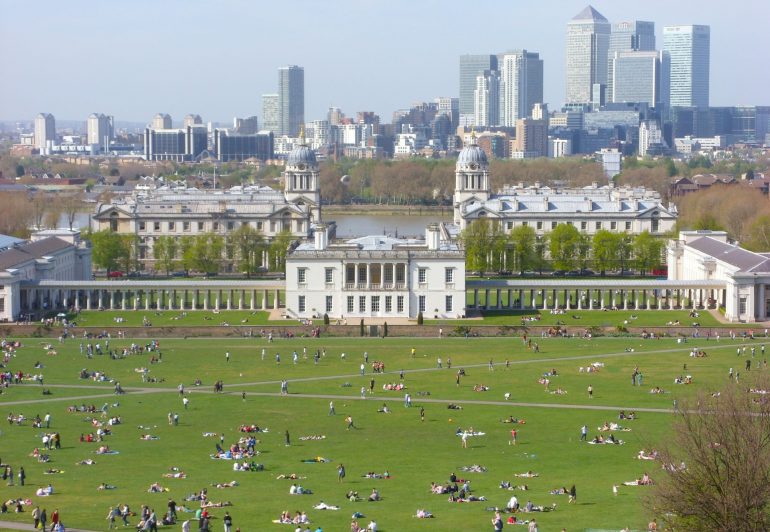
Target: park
[{"x": 279, "y": 390}]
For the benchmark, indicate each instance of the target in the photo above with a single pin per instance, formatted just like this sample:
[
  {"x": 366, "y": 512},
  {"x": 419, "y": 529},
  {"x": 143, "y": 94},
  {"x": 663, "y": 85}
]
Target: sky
[{"x": 134, "y": 58}]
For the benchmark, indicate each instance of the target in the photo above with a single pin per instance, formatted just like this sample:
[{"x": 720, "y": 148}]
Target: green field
[{"x": 415, "y": 453}]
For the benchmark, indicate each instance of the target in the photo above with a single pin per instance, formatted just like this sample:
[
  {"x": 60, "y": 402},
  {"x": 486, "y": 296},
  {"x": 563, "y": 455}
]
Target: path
[{"x": 10, "y": 525}]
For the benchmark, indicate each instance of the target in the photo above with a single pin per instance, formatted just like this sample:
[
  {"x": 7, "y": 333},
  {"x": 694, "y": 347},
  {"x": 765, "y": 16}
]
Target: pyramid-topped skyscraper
[{"x": 588, "y": 38}]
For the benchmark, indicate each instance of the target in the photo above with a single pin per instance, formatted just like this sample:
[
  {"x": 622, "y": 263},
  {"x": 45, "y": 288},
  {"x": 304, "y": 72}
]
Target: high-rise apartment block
[
  {"x": 637, "y": 35},
  {"x": 521, "y": 85},
  {"x": 161, "y": 121},
  {"x": 291, "y": 100},
  {"x": 192, "y": 120},
  {"x": 486, "y": 99},
  {"x": 270, "y": 113},
  {"x": 471, "y": 67},
  {"x": 689, "y": 49},
  {"x": 45, "y": 129},
  {"x": 99, "y": 130},
  {"x": 588, "y": 39}
]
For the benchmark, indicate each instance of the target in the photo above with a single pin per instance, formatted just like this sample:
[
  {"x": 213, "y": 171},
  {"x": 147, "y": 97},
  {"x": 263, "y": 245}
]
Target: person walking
[
  {"x": 572, "y": 495},
  {"x": 54, "y": 519},
  {"x": 43, "y": 519},
  {"x": 22, "y": 476},
  {"x": 185, "y": 402},
  {"x": 288, "y": 439},
  {"x": 331, "y": 408},
  {"x": 513, "y": 437},
  {"x": 464, "y": 440},
  {"x": 422, "y": 414},
  {"x": 227, "y": 521},
  {"x": 349, "y": 421},
  {"x": 584, "y": 433},
  {"x": 340, "y": 473},
  {"x": 36, "y": 516},
  {"x": 111, "y": 517},
  {"x": 497, "y": 522}
]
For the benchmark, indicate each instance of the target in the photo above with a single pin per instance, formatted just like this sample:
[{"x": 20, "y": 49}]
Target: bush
[
  {"x": 326, "y": 319},
  {"x": 419, "y": 319},
  {"x": 385, "y": 329},
  {"x": 361, "y": 325}
]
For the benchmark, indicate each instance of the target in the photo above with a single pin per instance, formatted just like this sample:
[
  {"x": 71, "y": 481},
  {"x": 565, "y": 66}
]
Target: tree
[
  {"x": 20, "y": 170},
  {"x": 724, "y": 442},
  {"x": 758, "y": 234},
  {"x": 107, "y": 249},
  {"x": 605, "y": 247},
  {"x": 647, "y": 251},
  {"x": 522, "y": 241},
  {"x": 164, "y": 252},
  {"x": 71, "y": 205},
  {"x": 205, "y": 254},
  {"x": 39, "y": 206},
  {"x": 485, "y": 245},
  {"x": 564, "y": 241},
  {"x": 249, "y": 245},
  {"x": 278, "y": 249},
  {"x": 129, "y": 255}
]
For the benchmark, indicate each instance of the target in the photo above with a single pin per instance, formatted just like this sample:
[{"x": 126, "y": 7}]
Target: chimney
[
  {"x": 589, "y": 204},
  {"x": 321, "y": 237},
  {"x": 432, "y": 236}
]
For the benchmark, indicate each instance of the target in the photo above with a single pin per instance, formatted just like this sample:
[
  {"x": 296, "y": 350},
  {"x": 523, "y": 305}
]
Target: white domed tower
[
  {"x": 301, "y": 183},
  {"x": 471, "y": 177}
]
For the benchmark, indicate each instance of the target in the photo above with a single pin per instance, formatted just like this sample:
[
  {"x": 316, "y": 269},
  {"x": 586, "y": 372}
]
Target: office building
[
  {"x": 161, "y": 121},
  {"x": 640, "y": 77},
  {"x": 689, "y": 49},
  {"x": 291, "y": 100},
  {"x": 650, "y": 137},
  {"x": 45, "y": 130},
  {"x": 192, "y": 120},
  {"x": 472, "y": 66},
  {"x": 99, "y": 129},
  {"x": 235, "y": 146},
  {"x": 486, "y": 99},
  {"x": 637, "y": 35},
  {"x": 179, "y": 145},
  {"x": 271, "y": 113},
  {"x": 521, "y": 85},
  {"x": 588, "y": 38},
  {"x": 246, "y": 126},
  {"x": 531, "y": 139},
  {"x": 377, "y": 277}
]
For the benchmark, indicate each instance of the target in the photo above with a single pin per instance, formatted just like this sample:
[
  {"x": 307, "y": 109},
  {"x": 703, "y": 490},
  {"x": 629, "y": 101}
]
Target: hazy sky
[{"x": 134, "y": 58}]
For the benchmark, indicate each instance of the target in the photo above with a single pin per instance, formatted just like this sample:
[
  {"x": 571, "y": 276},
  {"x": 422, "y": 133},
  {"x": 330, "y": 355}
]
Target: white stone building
[
  {"x": 629, "y": 210},
  {"x": 57, "y": 255},
  {"x": 707, "y": 255},
  {"x": 377, "y": 277}
]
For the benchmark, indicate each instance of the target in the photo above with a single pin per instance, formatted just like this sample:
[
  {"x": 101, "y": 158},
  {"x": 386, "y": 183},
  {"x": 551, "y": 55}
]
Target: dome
[
  {"x": 472, "y": 154},
  {"x": 301, "y": 155}
]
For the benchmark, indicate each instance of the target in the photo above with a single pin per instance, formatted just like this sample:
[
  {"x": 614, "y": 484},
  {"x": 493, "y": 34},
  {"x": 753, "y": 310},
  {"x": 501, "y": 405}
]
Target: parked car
[{"x": 115, "y": 274}]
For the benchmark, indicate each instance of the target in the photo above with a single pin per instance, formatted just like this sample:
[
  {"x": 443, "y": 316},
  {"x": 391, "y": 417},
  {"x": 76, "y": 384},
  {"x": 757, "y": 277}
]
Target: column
[
  {"x": 671, "y": 299},
  {"x": 486, "y": 299},
  {"x": 240, "y": 301},
  {"x": 590, "y": 299},
  {"x": 277, "y": 301},
  {"x": 264, "y": 299},
  {"x": 112, "y": 299},
  {"x": 253, "y": 300},
  {"x": 579, "y": 295},
  {"x": 521, "y": 299},
  {"x": 510, "y": 298},
  {"x": 533, "y": 298},
  {"x": 355, "y": 276},
  {"x": 368, "y": 276},
  {"x": 206, "y": 299},
  {"x": 499, "y": 299},
  {"x": 88, "y": 300},
  {"x": 625, "y": 295},
  {"x": 762, "y": 304},
  {"x": 567, "y": 297},
  {"x": 217, "y": 299},
  {"x": 545, "y": 299},
  {"x": 476, "y": 298},
  {"x": 229, "y": 300},
  {"x": 137, "y": 300},
  {"x": 123, "y": 302}
]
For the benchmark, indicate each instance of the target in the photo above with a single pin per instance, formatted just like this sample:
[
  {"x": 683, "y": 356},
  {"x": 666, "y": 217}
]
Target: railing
[{"x": 375, "y": 287}]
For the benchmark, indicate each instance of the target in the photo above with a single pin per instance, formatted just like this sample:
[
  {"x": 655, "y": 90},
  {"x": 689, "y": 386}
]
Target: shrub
[{"x": 419, "y": 319}]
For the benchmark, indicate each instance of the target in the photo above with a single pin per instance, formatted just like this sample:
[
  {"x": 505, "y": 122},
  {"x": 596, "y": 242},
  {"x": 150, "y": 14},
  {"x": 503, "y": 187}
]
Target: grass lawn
[
  {"x": 172, "y": 318},
  {"x": 415, "y": 453}
]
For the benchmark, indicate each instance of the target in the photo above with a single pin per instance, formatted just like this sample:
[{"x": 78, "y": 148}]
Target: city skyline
[{"x": 361, "y": 56}]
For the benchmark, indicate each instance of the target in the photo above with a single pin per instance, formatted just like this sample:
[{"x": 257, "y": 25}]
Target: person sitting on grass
[
  {"x": 423, "y": 514},
  {"x": 374, "y": 496},
  {"x": 104, "y": 486}
]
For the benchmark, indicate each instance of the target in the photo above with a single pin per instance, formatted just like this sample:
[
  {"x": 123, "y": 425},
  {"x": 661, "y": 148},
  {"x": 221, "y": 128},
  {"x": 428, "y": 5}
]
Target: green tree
[
  {"x": 187, "y": 252},
  {"x": 278, "y": 249},
  {"x": 129, "y": 255},
  {"x": 605, "y": 247},
  {"x": 249, "y": 245},
  {"x": 563, "y": 245},
  {"x": 207, "y": 252},
  {"x": 164, "y": 251},
  {"x": 522, "y": 243},
  {"x": 485, "y": 245},
  {"x": 107, "y": 249},
  {"x": 20, "y": 170},
  {"x": 647, "y": 251}
]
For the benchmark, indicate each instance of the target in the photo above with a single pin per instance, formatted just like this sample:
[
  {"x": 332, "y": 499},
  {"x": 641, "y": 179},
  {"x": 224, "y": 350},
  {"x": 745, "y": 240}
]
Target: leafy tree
[
  {"x": 187, "y": 252},
  {"x": 278, "y": 249},
  {"x": 485, "y": 245},
  {"x": 522, "y": 242},
  {"x": 758, "y": 234},
  {"x": 71, "y": 205},
  {"x": 583, "y": 250},
  {"x": 164, "y": 251},
  {"x": 107, "y": 249},
  {"x": 563, "y": 245},
  {"x": 20, "y": 170},
  {"x": 249, "y": 245},
  {"x": 605, "y": 247},
  {"x": 129, "y": 254},
  {"x": 723, "y": 440},
  {"x": 206, "y": 252},
  {"x": 541, "y": 245},
  {"x": 647, "y": 251}
]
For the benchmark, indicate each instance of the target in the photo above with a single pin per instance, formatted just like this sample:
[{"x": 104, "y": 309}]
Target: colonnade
[{"x": 375, "y": 276}]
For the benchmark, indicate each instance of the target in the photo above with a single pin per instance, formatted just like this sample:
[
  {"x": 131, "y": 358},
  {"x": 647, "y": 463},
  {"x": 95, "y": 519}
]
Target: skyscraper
[
  {"x": 45, "y": 129},
  {"x": 472, "y": 66},
  {"x": 689, "y": 49},
  {"x": 637, "y": 35},
  {"x": 270, "y": 113},
  {"x": 486, "y": 99},
  {"x": 291, "y": 100},
  {"x": 521, "y": 85},
  {"x": 588, "y": 38},
  {"x": 99, "y": 129},
  {"x": 640, "y": 76}
]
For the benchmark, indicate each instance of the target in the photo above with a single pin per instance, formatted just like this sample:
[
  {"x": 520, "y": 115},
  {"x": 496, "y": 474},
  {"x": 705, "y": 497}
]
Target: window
[
  {"x": 142, "y": 226},
  {"x": 613, "y": 225},
  {"x": 422, "y": 275},
  {"x": 200, "y": 226},
  {"x": 628, "y": 226},
  {"x": 553, "y": 225},
  {"x": 230, "y": 226},
  {"x": 350, "y": 304},
  {"x": 375, "y": 303},
  {"x": 388, "y": 303},
  {"x": 2, "y": 304},
  {"x": 301, "y": 304},
  {"x": 742, "y": 306},
  {"x": 215, "y": 226},
  {"x": 448, "y": 303},
  {"x": 583, "y": 226},
  {"x": 156, "y": 226},
  {"x": 329, "y": 303},
  {"x": 172, "y": 226},
  {"x": 329, "y": 275},
  {"x": 272, "y": 226},
  {"x": 421, "y": 303},
  {"x": 302, "y": 275},
  {"x": 569, "y": 223},
  {"x": 185, "y": 226},
  {"x": 361, "y": 304},
  {"x": 259, "y": 226},
  {"x": 598, "y": 225},
  {"x": 449, "y": 275},
  {"x": 400, "y": 304},
  {"x": 539, "y": 225},
  {"x": 525, "y": 224},
  {"x": 509, "y": 225}
]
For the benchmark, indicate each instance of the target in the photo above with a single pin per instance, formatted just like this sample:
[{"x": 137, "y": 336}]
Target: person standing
[
  {"x": 349, "y": 421},
  {"x": 340, "y": 473},
  {"x": 227, "y": 521},
  {"x": 54, "y": 519},
  {"x": 590, "y": 392},
  {"x": 36, "y": 516},
  {"x": 422, "y": 414},
  {"x": 438, "y": 362},
  {"x": 111, "y": 517},
  {"x": 331, "y": 408},
  {"x": 513, "y": 437},
  {"x": 371, "y": 385},
  {"x": 288, "y": 439},
  {"x": 43, "y": 519},
  {"x": 583, "y": 433},
  {"x": 22, "y": 476},
  {"x": 363, "y": 392},
  {"x": 464, "y": 438},
  {"x": 47, "y": 420},
  {"x": 185, "y": 402},
  {"x": 532, "y": 526},
  {"x": 572, "y": 495},
  {"x": 497, "y": 522}
]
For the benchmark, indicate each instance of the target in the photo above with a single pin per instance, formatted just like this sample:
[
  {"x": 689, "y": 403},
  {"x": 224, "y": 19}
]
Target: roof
[
  {"x": 505, "y": 205},
  {"x": 743, "y": 259},
  {"x": 7, "y": 241},
  {"x": 380, "y": 243},
  {"x": 30, "y": 251},
  {"x": 589, "y": 13}
]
